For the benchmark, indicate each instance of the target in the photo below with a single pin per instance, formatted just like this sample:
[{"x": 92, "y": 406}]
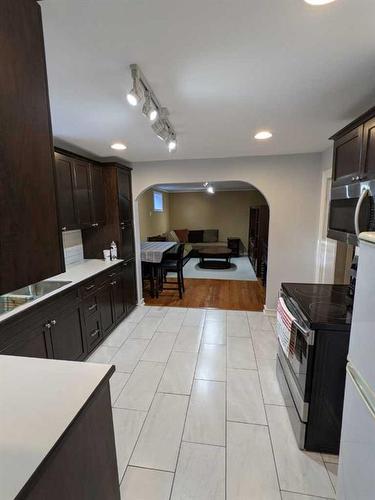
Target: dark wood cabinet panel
[
  {"x": 82, "y": 465},
  {"x": 65, "y": 192},
  {"x": 368, "y": 155},
  {"x": 125, "y": 196},
  {"x": 126, "y": 250},
  {"x": 105, "y": 303},
  {"x": 35, "y": 344},
  {"x": 97, "y": 195},
  {"x": 29, "y": 220},
  {"x": 67, "y": 335},
  {"x": 130, "y": 285},
  {"x": 82, "y": 192},
  {"x": 119, "y": 308},
  {"x": 347, "y": 157},
  {"x": 258, "y": 240}
]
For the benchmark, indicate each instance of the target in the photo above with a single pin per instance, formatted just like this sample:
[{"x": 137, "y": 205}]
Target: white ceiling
[
  {"x": 224, "y": 68},
  {"x": 198, "y": 187}
]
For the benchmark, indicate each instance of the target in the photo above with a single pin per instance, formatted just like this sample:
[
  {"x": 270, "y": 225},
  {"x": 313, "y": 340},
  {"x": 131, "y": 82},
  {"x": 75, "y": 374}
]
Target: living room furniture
[
  {"x": 258, "y": 240},
  {"x": 173, "y": 261},
  {"x": 152, "y": 253},
  {"x": 234, "y": 245},
  {"x": 221, "y": 256}
]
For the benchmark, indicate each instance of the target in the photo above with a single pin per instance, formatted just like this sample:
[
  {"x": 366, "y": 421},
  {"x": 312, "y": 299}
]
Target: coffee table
[{"x": 221, "y": 256}]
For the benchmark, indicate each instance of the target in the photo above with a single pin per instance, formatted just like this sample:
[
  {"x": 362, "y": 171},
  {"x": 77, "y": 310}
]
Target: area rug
[{"x": 240, "y": 270}]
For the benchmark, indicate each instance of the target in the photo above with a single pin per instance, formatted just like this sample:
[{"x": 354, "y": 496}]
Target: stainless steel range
[{"x": 313, "y": 332}]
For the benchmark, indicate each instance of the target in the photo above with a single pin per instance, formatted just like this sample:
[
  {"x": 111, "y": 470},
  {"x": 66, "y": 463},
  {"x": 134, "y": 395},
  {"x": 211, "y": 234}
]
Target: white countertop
[
  {"x": 39, "y": 398},
  {"x": 74, "y": 273}
]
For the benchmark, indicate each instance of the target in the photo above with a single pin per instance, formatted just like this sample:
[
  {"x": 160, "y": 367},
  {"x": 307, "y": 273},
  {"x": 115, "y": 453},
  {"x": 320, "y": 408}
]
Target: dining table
[{"x": 152, "y": 253}]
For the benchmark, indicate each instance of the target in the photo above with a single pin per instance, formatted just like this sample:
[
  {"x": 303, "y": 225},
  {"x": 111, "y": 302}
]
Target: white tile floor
[{"x": 199, "y": 411}]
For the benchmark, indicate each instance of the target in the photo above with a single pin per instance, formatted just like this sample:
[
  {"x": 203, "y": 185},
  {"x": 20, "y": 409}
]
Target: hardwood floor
[{"x": 218, "y": 294}]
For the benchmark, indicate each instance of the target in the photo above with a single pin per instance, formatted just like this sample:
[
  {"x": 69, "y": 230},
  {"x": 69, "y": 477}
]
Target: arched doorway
[{"x": 235, "y": 215}]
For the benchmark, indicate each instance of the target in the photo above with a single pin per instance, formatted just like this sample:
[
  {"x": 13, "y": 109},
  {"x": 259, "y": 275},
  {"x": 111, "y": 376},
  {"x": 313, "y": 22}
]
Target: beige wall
[
  {"x": 152, "y": 223},
  {"x": 290, "y": 183},
  {"x": 227, "y": 211}
]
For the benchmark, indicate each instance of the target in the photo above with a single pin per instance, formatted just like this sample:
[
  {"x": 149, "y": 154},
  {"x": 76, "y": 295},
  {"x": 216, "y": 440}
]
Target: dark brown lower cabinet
[
  {"x": 67, "y": 336},
  {"x": 82, "y": 465},
  {"x": 69, "y": 326}
]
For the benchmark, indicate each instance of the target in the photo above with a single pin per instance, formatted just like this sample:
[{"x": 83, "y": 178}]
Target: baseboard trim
[{"x": 269, "y": 312}]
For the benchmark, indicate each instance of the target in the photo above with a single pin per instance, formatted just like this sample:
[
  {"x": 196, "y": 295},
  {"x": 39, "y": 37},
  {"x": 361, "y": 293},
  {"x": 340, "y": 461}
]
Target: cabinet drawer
[
  {"x": 107, "y": 276},
  {"x": 90, "y": 306},
  {"x": 93, "y": 331},
  {"x": 88, "y": 288}
]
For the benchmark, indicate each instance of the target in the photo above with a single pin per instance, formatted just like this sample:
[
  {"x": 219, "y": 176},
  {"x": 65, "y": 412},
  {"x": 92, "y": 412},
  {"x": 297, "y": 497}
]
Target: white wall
[{"x": 291, "y": 184}]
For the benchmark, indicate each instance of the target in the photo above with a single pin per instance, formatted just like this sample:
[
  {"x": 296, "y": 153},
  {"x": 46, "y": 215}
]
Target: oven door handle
[{"x": 364, "y": 194}]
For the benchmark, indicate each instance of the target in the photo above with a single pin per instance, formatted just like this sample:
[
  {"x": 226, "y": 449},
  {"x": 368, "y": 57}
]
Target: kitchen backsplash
[{"x": 73, "y": 248}]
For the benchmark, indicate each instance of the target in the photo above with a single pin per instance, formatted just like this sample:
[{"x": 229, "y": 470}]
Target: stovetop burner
[{"x": 324, "y": 306}]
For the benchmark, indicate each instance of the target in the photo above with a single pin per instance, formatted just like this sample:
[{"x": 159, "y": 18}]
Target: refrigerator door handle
[
  {"x": 364, "y": 193},
  {"x": 364, "y": 390}
]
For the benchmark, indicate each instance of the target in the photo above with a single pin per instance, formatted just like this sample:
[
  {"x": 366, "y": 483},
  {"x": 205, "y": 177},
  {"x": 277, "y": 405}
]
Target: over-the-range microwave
[{"x": 351, "y": 211}]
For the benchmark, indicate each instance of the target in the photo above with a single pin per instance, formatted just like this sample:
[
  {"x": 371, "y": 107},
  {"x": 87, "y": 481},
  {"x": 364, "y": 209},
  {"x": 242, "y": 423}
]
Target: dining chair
[{"x": 173, "y": 262}]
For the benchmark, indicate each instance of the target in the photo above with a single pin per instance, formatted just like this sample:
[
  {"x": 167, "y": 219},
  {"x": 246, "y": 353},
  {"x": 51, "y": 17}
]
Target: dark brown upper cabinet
[
  {"x": 65, "y": 192},
  {"x": 81, "y": 179},
  {"x": 125, "y": 195},
  {"x": 354, "y": 151},
  {"x": 30, "y": 243},
  {"x": 347, "y": 157},
  {"x": 97, "y": 195},
  {"x": 368, "y": 156}
]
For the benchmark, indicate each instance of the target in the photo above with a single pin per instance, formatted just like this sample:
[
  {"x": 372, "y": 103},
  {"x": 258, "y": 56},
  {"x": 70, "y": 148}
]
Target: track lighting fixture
[
  {"x": 135, "y": 94},
  {"x": 205, "y": 184},
  {"x": 151, "y": 108}
]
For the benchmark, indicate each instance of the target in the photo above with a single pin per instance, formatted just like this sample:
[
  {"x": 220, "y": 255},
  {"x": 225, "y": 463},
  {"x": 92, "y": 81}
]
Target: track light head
[
  {"x": 210, "y": 190},
  {"x": 172, "y": 143},
  {"x": 161, "y": 129},
  {"x": 135, "y": 94},
  {"x": 149, "y": 109}
]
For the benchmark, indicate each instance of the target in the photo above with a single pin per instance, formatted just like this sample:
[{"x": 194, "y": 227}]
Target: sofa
[{"x": 194, "y": 239}]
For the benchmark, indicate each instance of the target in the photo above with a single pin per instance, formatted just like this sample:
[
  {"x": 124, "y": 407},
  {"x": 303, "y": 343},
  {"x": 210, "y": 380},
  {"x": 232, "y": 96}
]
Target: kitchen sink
[{"x": 11, "y": 300}]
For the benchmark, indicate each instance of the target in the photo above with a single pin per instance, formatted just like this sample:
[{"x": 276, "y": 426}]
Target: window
[{"x": 158, "y": 202}]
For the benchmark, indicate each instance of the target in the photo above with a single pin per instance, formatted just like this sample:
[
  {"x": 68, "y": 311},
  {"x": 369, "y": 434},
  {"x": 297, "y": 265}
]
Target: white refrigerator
[{"x": 356, "y": 476}]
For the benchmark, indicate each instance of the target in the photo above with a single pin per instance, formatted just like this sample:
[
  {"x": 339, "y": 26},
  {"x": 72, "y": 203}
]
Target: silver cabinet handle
[
  {"x": 364, "y": 194},
  {"x": 91, "y": 308},
  {"x": 47, "y": 325},
  {"x": 113, "y": 283},
  {"x": 111, "y": 275},
  {"x": 94, "y": 333},
  {"x": 63, "y": 228},
  {"x": 53, "y": 322},
  {"x": 88, "y": 288},
  {"x": 353, "y": 179}
]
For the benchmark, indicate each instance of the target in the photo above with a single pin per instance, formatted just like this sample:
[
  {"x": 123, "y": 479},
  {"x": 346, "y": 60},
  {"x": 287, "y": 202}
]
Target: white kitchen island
[{"x": 56, "y": 430}]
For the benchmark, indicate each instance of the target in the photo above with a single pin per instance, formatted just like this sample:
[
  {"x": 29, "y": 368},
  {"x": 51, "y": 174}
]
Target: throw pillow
[
  {"x": 182, "y": 235},
  {"x": 172, "y": 236},
  {"x": 210, "y": 235},
  {"x": 196, "y": 236}
]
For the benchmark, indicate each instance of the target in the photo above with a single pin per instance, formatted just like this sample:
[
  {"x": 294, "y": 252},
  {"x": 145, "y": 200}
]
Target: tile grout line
[
  {"x": 187, "y": 409},
  {"x": 268, "y": 426}
]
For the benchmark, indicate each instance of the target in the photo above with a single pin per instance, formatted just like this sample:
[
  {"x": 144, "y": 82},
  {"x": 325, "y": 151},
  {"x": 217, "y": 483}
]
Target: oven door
[
  {"x": 351, "y": 211},
  {"x": 297, "y": 362}
]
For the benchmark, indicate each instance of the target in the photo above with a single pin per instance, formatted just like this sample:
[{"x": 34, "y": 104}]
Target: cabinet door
[
  {"x": 36, "y": 344},
  {"x": 347, "y": 157},
  {"x": 105, "y": 300},
  {"x": 130, "y": 285},
  {"x": 127, "y": 242},
  {"x": 64, "y": 187},
  {"x": 368, "y": 156},
  {"x": 67, "y": 335},
  {"x": 82, "y": 192},
  {"x": 28, "y": 207},
  {"x": 119, "y": 308},
  {"x": 97, "y": 195},
  {"x": 125, "y": 196}
]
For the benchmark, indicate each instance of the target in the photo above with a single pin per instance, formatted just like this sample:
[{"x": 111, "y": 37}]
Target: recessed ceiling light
[
  {"x": 318, "y": 2},
  {"x": 118, "y": 146},
  {"x": 264, "y": 134}
]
